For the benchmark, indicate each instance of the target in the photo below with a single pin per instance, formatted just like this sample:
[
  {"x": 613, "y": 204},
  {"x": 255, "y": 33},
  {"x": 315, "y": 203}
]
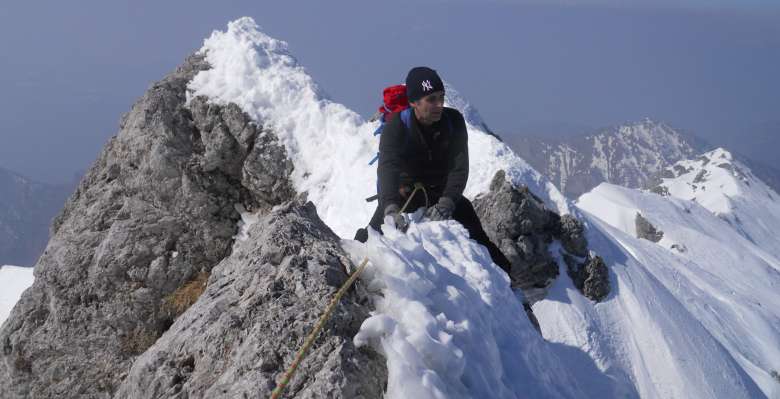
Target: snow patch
[{"x": 13, "y": 281}]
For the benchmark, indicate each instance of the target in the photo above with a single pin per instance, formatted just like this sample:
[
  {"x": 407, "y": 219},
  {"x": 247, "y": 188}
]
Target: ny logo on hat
[{"x": 426, "y": 85}]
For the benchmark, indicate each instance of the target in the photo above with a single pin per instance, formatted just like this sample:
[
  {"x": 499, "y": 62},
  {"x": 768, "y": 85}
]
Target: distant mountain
[
  {"x": 627, "y": 155},
  {"x": 26, "y": 210}
]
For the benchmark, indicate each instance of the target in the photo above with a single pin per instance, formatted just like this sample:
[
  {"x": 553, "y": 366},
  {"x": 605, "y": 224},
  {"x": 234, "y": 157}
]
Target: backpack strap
[{"x": 406, "y": 120}]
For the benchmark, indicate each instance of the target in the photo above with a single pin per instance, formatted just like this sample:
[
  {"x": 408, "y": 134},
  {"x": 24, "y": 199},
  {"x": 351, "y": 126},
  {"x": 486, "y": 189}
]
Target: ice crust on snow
[
  {"x": 447, "y": 321},
  {"x": 13, "y": 281}
]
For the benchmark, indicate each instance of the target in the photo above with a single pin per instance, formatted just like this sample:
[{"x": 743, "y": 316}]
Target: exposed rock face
[
  {"x": 523, "y": 228},
  {"x": 234, "y": 147},
  {"x": 590, "y": 277},
  {"x": 151, "y": 218},
  {"x": 260, "y": 304},
  {"x": 644, "y": 229},
  {"x": 26, "y": 211},
  {"x": 572, "y": 236}
]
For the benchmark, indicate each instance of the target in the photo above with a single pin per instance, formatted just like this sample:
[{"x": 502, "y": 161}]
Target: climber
[{"x": 433, "y": 150}]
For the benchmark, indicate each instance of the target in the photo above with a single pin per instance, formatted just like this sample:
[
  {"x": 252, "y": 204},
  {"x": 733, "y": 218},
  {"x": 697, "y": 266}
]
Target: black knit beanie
[{"x": 422, "y": 81}]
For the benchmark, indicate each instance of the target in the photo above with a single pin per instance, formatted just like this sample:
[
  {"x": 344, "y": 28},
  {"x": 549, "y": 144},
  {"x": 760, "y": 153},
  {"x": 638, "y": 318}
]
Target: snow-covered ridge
[
  {"x": 329, "y": 144},
  {"x": 728, "y": 189},
  {"x": 469, "y": 111}
]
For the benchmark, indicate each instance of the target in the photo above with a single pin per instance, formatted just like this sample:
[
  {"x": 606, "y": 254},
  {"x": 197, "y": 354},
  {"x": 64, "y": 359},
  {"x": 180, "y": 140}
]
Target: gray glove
[
  {"x": 401, "y": 223},
  {"x": 442, "y": 210}
]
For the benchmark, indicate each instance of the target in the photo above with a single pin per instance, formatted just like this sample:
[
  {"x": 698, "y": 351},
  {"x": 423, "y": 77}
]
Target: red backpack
[{"x": 394, "y": 101}]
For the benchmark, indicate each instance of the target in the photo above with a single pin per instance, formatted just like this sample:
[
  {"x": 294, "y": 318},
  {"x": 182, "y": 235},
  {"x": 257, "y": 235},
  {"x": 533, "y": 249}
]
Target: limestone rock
[
  {"x": 154, "y": 214},
  {"x": 524, "y": 229},
  {"x": 261, "y": 302},
  {"x": 646, "y": 230}
]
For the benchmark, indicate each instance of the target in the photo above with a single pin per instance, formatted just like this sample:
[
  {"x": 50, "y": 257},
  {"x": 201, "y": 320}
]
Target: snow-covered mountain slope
[
  {"x": 628, "y": 155},
  {"x": 727, "y": 282},
  {"x": 728, "y": 189},
  {"x": 643, "y": 339},
  {"x": 13, "y": 281}
]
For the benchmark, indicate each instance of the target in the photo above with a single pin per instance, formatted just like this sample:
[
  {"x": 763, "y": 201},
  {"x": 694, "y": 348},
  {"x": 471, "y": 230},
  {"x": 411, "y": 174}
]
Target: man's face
[{"x": 429, "y": 108}]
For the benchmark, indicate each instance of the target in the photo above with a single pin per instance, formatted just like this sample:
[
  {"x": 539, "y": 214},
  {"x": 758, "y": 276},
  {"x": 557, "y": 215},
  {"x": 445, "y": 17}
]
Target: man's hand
[
  {"x": 442, "y": 210},
  {"x": 401, "y": 223}
]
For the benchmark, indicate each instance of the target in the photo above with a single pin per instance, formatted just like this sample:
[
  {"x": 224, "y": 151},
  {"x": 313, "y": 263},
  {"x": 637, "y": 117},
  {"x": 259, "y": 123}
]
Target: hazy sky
[{"x": 68, "y": 70}]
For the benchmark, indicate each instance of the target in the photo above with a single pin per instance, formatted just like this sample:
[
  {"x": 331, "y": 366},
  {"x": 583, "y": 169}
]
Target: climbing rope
[{"x": 288, "y": 375}]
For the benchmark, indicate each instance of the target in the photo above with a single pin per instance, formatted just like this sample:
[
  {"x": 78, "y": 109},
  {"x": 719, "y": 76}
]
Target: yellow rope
[
  {"x": 321, "y": 323},
  {"x": 288, "y": 375}
]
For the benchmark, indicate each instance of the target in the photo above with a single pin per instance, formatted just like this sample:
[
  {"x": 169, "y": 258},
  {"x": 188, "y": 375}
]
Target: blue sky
[{"x": 69, "y": 70}]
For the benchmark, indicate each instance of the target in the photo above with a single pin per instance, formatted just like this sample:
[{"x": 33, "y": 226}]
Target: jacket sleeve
[
  {"x": 391, "y": 144},
  {"x": 457, "y": 158}
]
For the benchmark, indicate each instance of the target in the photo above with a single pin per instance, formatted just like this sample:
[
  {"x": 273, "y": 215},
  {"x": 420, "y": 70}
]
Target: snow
[
  {"x": 729, "y": 190},
  {"x": 247, "y": 220},
  {"x": 13, "y": 281},
  {"x": 451, "y": 327},
  {"x": 727, "y": 283},
  {"x": 692, "y": 324}
]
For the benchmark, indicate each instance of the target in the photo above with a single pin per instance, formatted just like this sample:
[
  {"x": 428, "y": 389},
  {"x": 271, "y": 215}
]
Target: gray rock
[
  {"x": 153, "y": 215},
  {"x": 701, "y": 177},
  {"x": 660, "y": 190},
  {"x": 523, "y": 228},
  {"x": 645, "y": 229},
  {"x": 235, "y": 146},
  {"x": 260, "y": 303},
  {"x": 572, "y": 236},
  {"x": 590, "y": 277}
]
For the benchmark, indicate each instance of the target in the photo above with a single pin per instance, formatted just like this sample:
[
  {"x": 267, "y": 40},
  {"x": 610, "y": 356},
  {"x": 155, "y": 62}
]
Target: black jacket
[{"x": 436, "y": 156}]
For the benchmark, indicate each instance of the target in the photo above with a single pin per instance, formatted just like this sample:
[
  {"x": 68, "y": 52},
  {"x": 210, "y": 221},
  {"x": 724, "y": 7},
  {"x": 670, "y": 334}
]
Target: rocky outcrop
[
  {"x": 590, "y": 276},
  {"x": 134, "y": 246},
  {"x": 524, "y": 229},
  {"x": 646, "y": 230},
  {"x": 260, "y": 304}
]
